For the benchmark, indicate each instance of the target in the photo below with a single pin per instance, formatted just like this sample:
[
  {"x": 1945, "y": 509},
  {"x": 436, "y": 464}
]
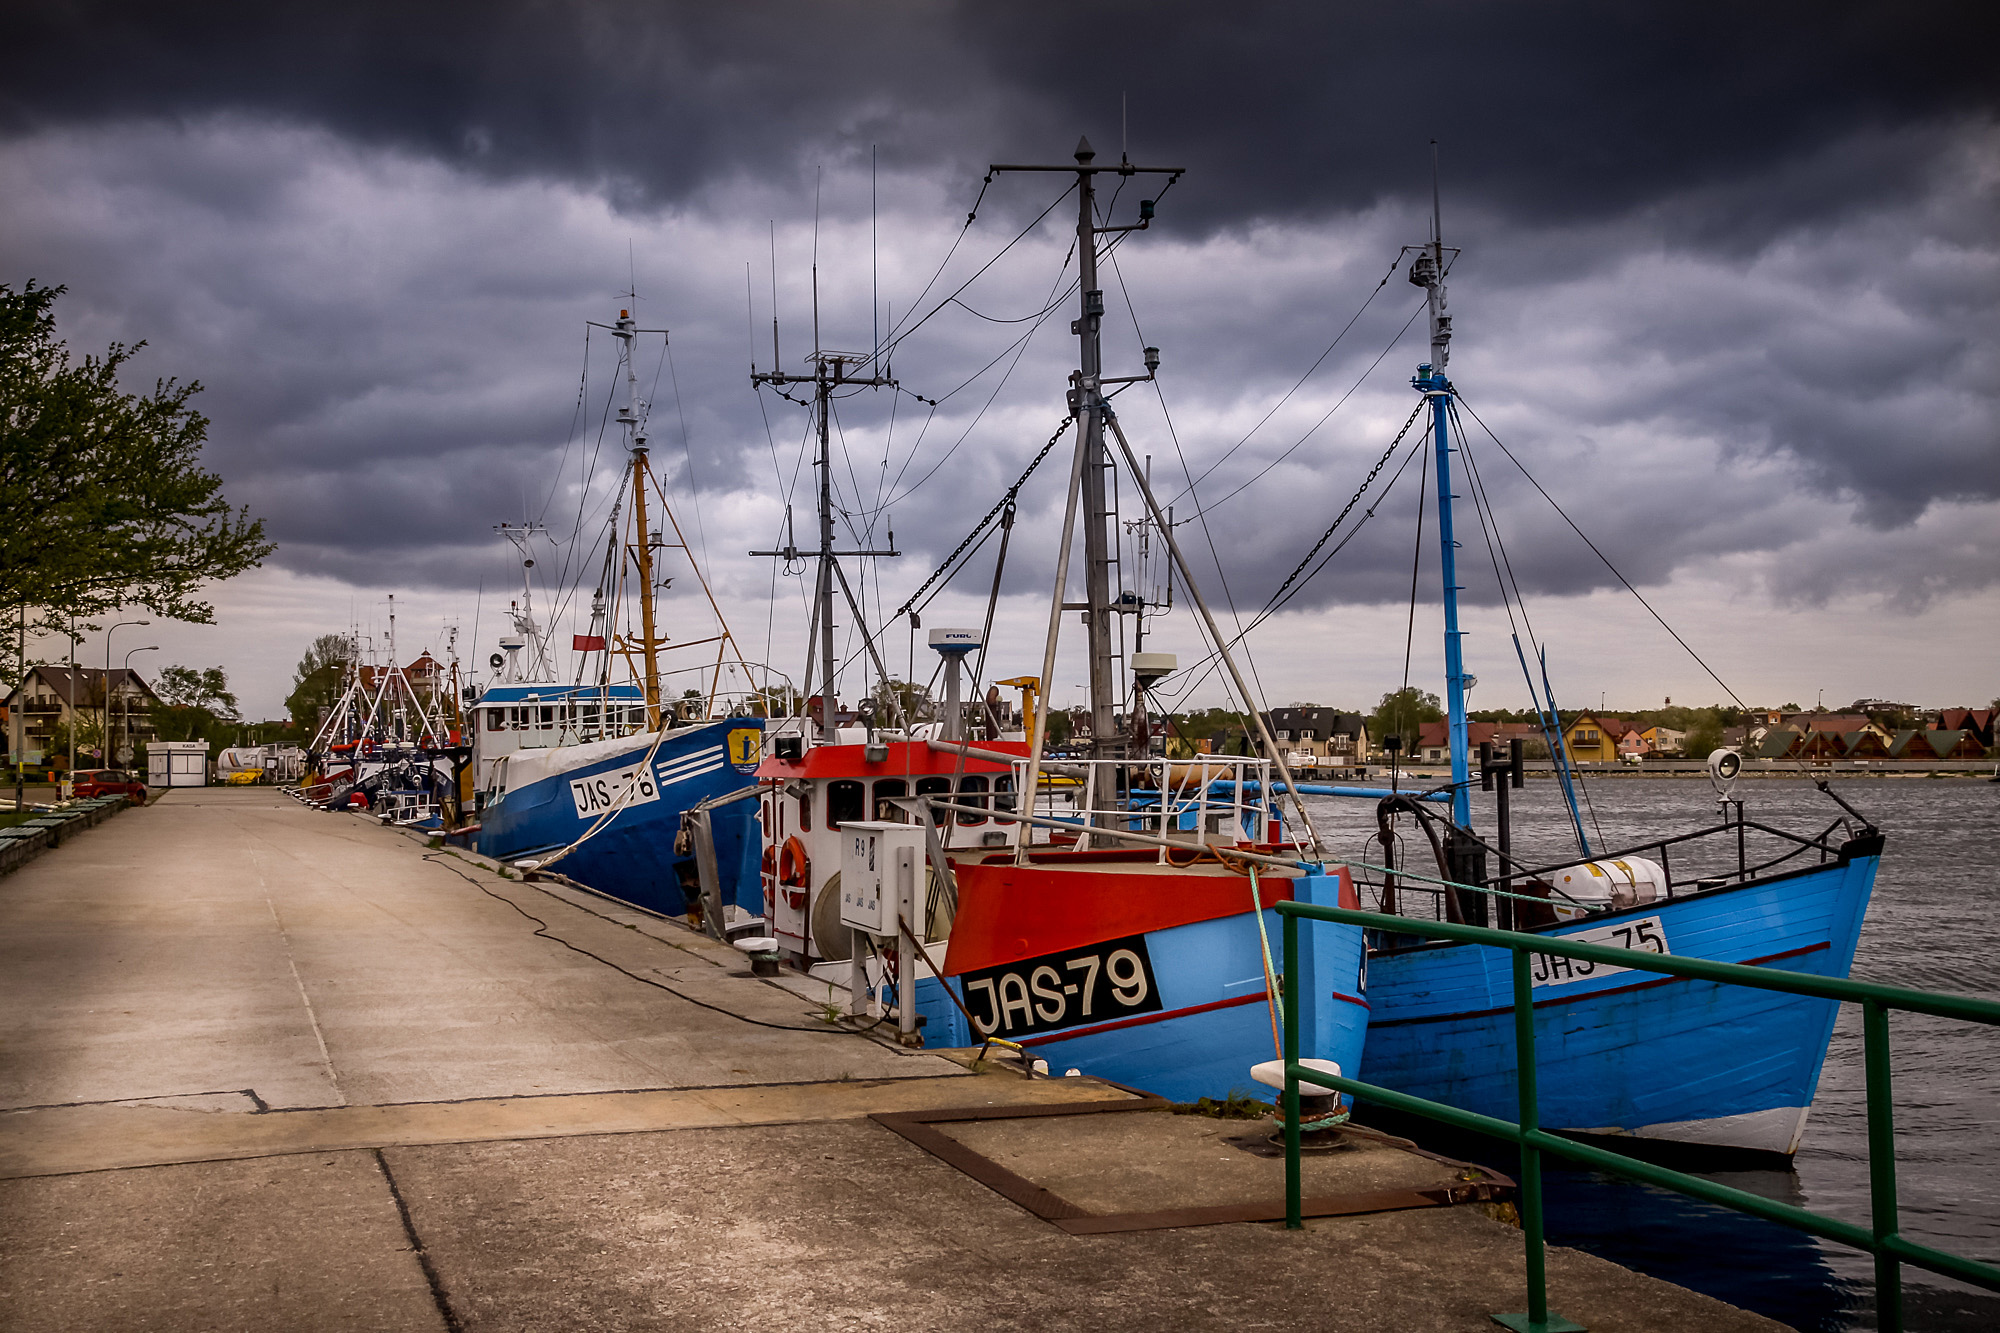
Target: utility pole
[
  {"x": 1086, "y": 404},
  {"x": 829, "y": 373}
]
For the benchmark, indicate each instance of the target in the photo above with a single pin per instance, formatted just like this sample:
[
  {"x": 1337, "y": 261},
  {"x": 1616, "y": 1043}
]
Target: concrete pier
[{"x": 266, "y": 1067}]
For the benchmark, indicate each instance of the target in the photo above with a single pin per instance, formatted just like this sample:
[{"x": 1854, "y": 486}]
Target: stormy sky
[{"x": 1727, "y": 290}]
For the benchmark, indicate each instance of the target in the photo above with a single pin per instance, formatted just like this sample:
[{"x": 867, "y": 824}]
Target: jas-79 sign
[{"x": 1094, "y": 984}]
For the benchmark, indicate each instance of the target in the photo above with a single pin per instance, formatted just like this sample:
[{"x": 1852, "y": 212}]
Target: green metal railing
[{"x": 1881, "y": 1238}]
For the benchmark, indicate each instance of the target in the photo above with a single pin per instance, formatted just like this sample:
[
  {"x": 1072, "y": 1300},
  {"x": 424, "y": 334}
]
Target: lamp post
[
  {"x": 125, "y": 721},
  {"x": 104, "y": 736}
]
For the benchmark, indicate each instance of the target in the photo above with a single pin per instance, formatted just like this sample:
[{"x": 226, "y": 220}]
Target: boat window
[
  {"x": 1003, "y": 793},
  {"x": 548, "y": 717},
  {"x": 936, "y": 787},
  {"x": 806, "y": 812},
  {"x": 885, "y": 809},
  {"x": 494, "y": 717},
  {"x": 971, "y": 791},
  {"x": 845, "y": 800}
]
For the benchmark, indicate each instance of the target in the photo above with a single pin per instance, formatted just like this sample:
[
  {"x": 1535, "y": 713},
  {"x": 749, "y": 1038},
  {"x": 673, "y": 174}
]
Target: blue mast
[{"x": 1427, "y": 271}]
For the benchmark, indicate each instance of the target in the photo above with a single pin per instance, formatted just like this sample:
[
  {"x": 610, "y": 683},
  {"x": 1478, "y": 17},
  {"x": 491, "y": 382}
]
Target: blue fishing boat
[
  {"x": 610, "y": 784},
  {"x": 612, "y": 809},
  {"x": 1620, "y": 1052}
]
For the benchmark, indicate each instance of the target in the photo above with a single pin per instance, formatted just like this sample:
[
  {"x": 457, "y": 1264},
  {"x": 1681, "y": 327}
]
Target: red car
[{"x": 90, "y": 782}]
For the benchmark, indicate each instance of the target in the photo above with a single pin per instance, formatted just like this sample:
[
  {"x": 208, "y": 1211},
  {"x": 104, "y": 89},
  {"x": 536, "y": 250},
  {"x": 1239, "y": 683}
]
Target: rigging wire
[
  {"x": 1019, "y": 348},
  {"x": 1012, "y": 493},
  {"x": 1496, "y": 548},
  {"x": 896, "y": 337},
  {"x": 1699, "y": 660},
  {"x": 1300, "y": 383},
  {"x": 687, "y": 449},
  {"x": 1293, "y": 448},
  {"x": 1201, "y": 511},
  {"x": 575, "y": 419},
  {"x": 1279, "y": 600}
]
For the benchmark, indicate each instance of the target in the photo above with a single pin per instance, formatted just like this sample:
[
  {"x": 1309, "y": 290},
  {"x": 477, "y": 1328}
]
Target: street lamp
[
  {"x": 104, "y": 735},
  {"x": 125, "y": 722}
]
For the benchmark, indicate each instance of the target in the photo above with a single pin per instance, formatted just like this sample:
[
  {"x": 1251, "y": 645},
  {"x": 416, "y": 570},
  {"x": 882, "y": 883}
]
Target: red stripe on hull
[
  {"x": 1009, "y": 912},
  {"x": 1256, "y": 997}
]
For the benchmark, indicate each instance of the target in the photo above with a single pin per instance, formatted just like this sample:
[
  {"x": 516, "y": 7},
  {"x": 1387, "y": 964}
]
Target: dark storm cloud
[
  {"x": 1552, "y": 111},
  {"x": 1729, "y": 273}
]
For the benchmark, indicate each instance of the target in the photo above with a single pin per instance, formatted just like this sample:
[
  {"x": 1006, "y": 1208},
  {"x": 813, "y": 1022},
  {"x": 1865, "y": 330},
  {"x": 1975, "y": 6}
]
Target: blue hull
[
  {"x": 1633, "y": 1052},
  {"x": 632, "y": 856},
  {"x": 1214, "y": 1022}
]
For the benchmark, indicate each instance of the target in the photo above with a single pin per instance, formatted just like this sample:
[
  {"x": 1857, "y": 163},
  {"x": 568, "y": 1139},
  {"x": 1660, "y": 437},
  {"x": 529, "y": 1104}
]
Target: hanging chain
[
  {"x": 1353, "y": 500},
  {"x": 1005, "y": 500}
]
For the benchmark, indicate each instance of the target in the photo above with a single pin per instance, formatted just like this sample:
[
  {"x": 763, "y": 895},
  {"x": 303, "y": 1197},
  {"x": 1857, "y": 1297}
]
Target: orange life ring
[
  {"x": 768, "y": 866},
  {"x": 793, "y": 866}
]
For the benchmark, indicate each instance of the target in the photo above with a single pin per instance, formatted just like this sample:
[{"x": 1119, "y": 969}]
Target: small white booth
[{"x": 177, "y": 764}]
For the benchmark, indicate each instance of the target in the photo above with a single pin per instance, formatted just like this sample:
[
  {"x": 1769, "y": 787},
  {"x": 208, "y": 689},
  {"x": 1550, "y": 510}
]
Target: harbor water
[{"x": 1934, "y": 924}]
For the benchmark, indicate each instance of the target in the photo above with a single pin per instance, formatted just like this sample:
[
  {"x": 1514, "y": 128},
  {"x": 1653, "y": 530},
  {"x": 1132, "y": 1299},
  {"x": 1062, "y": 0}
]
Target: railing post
[
  {"x": 1538, "y": 1319},
  {"x": 1882, "y": 1166},
  {"x": 1288, "y": 985}
]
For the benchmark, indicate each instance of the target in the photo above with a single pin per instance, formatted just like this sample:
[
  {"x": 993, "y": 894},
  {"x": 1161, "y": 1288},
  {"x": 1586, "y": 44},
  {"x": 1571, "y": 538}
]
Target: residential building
[
  {"x": 58, "y": 696},
  {"x": 1319, "y": 736},
  {"x": 1956, "y": 743},
  {"x": 1664, "y": 740},
  {"x": 1839, "y": 724},
  {"x": 1434, "y": 740},
  {"x": 1777, "y": 743},
  {"x": 1593, "y": 738},
  {"x": 1978, "y": 721}
]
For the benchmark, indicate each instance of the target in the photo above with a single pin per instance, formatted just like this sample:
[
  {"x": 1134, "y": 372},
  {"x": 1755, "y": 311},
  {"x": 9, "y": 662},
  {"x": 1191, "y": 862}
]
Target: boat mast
[
  {"x": 1428, "y": 272},
  {"x": 626, "y": 332},
  {"x": 1086, "y": 402},
  {"x": 829, "y": 373}
]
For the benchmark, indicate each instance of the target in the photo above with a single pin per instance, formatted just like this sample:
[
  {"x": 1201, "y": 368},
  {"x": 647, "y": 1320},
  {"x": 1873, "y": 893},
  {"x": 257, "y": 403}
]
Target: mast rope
[
  {"x": 1297, "y": 385},
  {"x": 991, "y": 514},
  {"x": 1564, "y": 515},
  {"x": 1265, "y": 471}
]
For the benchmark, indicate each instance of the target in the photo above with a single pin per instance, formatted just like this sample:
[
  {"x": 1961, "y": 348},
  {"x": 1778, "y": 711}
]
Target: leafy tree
[
  {"x": 88, "y": 734},
  {"x": 103, "y": 502},
  {"x": 1400, "y": 713},
  {"x": 913, "y": 699},
  {"x": 191, "y": 687},
  {"x": 1704, "y": 737},
  {"x": 318, "y": 680}
]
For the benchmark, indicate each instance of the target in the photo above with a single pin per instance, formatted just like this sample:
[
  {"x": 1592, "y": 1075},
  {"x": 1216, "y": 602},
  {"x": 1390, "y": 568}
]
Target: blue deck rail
[{"x": 1882, "y": 1237}]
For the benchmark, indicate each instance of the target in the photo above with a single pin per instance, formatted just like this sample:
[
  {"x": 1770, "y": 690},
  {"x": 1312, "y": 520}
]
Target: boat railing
[
  {"x": 1660, "y": 849},
  {"x": 1882, "y": 1237},
  {"x": 1205, "y": 801}
]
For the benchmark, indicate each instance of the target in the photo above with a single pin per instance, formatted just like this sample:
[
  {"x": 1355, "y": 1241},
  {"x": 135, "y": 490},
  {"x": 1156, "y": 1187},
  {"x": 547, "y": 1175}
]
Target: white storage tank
[{"x": 177, "y": 764}]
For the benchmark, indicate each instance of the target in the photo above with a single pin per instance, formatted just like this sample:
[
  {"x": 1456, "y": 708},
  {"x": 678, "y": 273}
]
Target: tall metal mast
[
  {"x": 829, "y": 373},
  {"x": 1086, "y": 398},
  {"x": 1427, "y": 271},
  {"x": 626, "y": 331}
]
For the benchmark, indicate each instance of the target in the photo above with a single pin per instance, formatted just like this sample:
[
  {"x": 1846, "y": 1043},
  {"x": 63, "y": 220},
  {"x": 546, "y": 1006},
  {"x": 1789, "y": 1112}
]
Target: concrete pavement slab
[
  {"x": 65, "y": 1139},
  {"x": 845, "y": 1226},
  {"x": 298, "y": 1243},
  {"x": 227, "y": 939}
]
